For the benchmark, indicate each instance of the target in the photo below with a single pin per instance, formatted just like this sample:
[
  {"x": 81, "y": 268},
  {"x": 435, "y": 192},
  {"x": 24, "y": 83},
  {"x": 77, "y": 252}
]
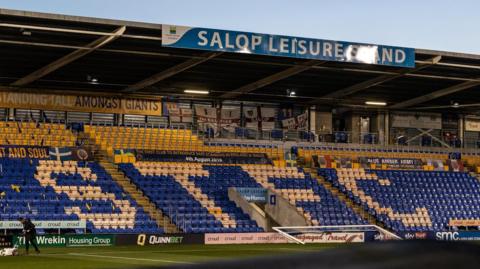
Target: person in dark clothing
[{"x": 30, "y": 234}]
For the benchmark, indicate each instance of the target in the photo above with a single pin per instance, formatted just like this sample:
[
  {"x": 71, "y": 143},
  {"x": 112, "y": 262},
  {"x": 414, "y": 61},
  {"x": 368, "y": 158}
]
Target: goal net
[{"x": 335, "y": 234}]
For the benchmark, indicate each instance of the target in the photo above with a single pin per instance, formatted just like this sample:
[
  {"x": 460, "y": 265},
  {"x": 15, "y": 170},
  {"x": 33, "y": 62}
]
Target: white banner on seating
[
  {"x": 183, "y": 115},
  {"x": 168, "y": 106},
  {"x": 296, "y": 123},
  {"x": 289, "y": 124},
  {"x": 206, "y": 117},
  {"x": 417, "y": 120},
  {"x": 215, "y": 118},
  {"x": 302, "y": 121},
  {"x": 260, "y": 117},
  {"x": 252, "y": 119},
  {"x": 179, "y": 114},
  {"x": 230, "y": 118},
  {"x": 268, "y": 118},
  {"x": 472, "y": 125},
  {"x": 45, "y": 224}
]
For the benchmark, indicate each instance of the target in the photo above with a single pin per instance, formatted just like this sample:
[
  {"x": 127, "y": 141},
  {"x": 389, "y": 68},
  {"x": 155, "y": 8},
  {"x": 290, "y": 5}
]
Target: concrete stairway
[
  {"x": 130, "y": 188},
  {"x": 342, "y": 197}
]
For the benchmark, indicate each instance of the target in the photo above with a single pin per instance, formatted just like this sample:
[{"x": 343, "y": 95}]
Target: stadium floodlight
[
  {"x": 291, "y": 93},
  {"x": 375, "y": 103},
  {"x": 92, "y": 80},
  {"x": 196, "y": 91},
  {"x": 25, "y": 32}
]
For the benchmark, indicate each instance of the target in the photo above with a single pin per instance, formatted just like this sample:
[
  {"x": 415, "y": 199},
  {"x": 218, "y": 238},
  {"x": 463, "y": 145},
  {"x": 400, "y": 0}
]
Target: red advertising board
[{"x": 244, "y": 238}]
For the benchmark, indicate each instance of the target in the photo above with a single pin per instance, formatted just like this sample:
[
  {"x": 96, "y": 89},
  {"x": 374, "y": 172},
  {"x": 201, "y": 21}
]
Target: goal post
[{"x": 332, "y": 233}]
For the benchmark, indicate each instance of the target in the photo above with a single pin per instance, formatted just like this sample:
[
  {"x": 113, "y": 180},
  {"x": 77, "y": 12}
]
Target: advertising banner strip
[
  {"x": 458, "y": 236},
  {"x": 464, "y": 222},
  {"x": 45, "y": 224},
  {"x": 401, "y": 163},
  {"x": 166, "y": 239},
  {"x": 332, "y": 237},
  {"x": 442, "y": 235},
  {"x": 19, "y": 152},
  {"x": 89, "y": 240},
  {"x": 416, "y": 120},
  {"x": 43, "y": 240},
  {"x": 202, "y": 157},
  {"x": 83, "y": 103},
  {"x": 285, "y": 46},
  {"x": 244, "y": 238},
  {"x": 84, "y": 240},
  {"x": 253, "y": 194},
  {"x": 472, "y": 125},
  {"x": 276, "y": 238}
]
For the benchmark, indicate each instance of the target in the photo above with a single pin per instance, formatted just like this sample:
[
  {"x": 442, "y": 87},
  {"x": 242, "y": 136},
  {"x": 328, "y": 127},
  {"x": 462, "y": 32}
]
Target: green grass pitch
[{"x": 133, "y": 256}]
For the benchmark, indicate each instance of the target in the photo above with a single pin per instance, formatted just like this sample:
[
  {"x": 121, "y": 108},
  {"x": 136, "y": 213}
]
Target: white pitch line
[
  {"x": 127, "y": 258},
  {"x": 151, "y": 250}
]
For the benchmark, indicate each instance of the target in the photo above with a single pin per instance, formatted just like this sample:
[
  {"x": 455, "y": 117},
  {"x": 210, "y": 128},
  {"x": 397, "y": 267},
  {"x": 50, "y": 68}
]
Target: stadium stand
[
  {"x": 189, "y": 193},
  {"x": 183, "y": 191},
  {"x": 407, "y": 200},
  {"x": 194, "y": 196},
  {"x": 110, "y": 209},
  {"x": 69, "y": 190},
  {"x": 110, "y": 138},
  {"x": 168, "y": 185},
  {"x": 313, "y": 201}
]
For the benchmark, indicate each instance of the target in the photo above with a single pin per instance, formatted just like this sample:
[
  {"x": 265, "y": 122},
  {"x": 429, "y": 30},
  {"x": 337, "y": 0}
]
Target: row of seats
[
  {"x": 156, "y": 168},
  {"x": 36, "y": 134},
  {"x": 119, "y": 137},
  {"x": 65, "y": 168},
  {"x": 32, "y": 125},
  {"x": 382, "y": 150},
  {"x": 133, "y": 130},
  {"x": 273, "y": 171},
  {"x": 273, "y": 151}
]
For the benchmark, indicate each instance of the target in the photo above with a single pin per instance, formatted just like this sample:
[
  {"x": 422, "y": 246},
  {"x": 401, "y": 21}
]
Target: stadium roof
[{"x": 51, "y": 52}]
